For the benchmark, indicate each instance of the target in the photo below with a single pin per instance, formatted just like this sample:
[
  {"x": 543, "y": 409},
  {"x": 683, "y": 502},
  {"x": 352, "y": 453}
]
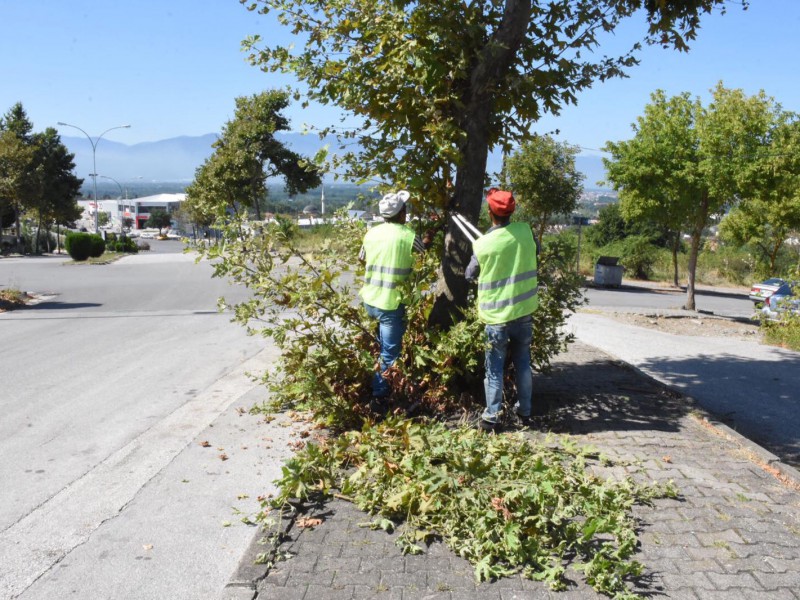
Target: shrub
[
  {"x": 636, "y": 253},
  {"x": 127, "y": 244},
  {"x": 327, "y": 342},
  {"x": 784, "y": 333},
  {"x": 115, "y": 243},
  {"x": 97, "y": 246},
  {"x": 81, "y": 246}
]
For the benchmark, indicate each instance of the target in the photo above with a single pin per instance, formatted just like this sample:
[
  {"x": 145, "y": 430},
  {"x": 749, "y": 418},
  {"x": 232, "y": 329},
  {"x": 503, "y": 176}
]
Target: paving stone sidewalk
[{"x": 734, "y": 531}]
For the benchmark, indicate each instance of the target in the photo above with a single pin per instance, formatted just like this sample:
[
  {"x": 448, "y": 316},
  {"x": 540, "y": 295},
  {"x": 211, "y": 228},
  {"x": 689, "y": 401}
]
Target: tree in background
[
  {"x": 159, "y": 219},
  {"x": 656, "y": 171},
  {"x": 610, "y": 227},
  {"x": 542, "y": 175},
  {"x": 37, "y": 172},
  {"x": 769, "y": 211},
  {"x": 246, "y": 155},
  {"x": 18, "y": 161},
  {"x": 55, "y": 186},
  {"x": 687, "y": 163},
  {"x": 437, "y": 84},
  {"x": 15, "y": 163}
]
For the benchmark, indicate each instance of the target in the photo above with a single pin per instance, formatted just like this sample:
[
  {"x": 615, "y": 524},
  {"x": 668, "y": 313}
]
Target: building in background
[{"x": 136, "y": 209}]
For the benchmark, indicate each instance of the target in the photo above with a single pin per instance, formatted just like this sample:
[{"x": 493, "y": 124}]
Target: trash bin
[{"x": 607, "y": 272}]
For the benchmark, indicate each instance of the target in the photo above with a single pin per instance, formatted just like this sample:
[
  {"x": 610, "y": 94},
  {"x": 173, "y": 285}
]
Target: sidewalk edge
[
  {"x": 764, "y": 456},
  {"x": 243, "y": 582}
]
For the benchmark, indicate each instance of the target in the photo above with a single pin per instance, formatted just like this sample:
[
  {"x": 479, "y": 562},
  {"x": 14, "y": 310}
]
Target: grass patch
[
  {"x": 12, "y": 298},
  {"x": 105, "y": 259},
  {"x": 784, "y": 333}
]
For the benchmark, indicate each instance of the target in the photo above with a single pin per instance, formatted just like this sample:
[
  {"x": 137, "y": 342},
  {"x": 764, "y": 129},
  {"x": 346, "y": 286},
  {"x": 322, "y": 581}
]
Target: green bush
[
  {"x": 126, "y": 244},
  {"x": 636, "y": 253},
  {"x": 97, "y": 246},
  {"x": 784, "y": 333},
  {"x": 115, "y": 243},
  {"x": 81, "y": 246}
]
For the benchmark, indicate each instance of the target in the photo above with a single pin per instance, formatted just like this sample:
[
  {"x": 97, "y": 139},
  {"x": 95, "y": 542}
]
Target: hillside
[{"x": 176, "y": 159}]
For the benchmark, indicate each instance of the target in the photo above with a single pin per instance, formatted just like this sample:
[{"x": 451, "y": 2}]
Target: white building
[
  {"x": 136, "y": 209},
  {"x": 139, "y": 209}
]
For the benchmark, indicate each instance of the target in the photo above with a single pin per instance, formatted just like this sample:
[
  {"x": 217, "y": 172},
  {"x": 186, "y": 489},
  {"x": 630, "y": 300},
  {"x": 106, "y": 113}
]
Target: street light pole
[
  {"x": 119, "y": 185},
  {"x": 93, "y": 174}
]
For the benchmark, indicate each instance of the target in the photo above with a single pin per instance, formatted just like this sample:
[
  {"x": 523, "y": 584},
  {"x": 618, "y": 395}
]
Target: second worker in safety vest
[
  {"x": 505, "y": 265},
  {"x": 388, "y": 253}
]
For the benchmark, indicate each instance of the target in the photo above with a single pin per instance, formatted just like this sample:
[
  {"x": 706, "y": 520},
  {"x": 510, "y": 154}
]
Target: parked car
[
  {"x": 781, "y": 300},
  {"x": 759, "y": 292}
]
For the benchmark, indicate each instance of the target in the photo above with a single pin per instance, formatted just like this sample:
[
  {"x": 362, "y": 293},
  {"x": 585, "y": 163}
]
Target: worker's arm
[{"x": 473, "y": 269}]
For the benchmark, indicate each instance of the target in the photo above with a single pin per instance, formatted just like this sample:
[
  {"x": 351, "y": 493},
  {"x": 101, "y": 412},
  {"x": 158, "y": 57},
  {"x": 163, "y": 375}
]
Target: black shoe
[
  {"x": 525, "y": 421},
  {"x": 488, "y": 426}
]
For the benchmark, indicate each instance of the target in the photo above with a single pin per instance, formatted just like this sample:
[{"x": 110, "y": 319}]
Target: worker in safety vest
[
  {"x": 388, "y": 252},
  {"x": 505, "y": 265}
]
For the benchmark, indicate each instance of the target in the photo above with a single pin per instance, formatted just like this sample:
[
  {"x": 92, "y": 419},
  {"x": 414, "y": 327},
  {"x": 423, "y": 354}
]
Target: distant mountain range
[{"x": 176, "y": 159}]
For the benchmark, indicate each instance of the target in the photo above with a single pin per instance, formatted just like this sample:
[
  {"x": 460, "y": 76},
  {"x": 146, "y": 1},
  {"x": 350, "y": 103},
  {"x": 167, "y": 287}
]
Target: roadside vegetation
[
  {"x": 11, "y": 298},
  {"x": 38, "y": 187}
]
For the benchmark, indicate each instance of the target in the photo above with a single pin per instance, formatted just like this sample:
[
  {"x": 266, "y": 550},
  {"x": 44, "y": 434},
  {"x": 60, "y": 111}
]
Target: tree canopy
[
  {"x": 687, "y": 163},
  {"x": 246, "y": 155},
  {"x": 36, "y": 173},
  {"x": 437, "y": 84},
  {"x": 159, "y": 219},
  {"x": 769, "y": 211},
  {"x": 543, "y": 177}
]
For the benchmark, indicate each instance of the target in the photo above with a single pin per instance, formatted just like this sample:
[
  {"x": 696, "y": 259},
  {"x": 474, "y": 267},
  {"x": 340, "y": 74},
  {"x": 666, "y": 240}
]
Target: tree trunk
[
  {"x": 486, "y": 72},
  {"x": 38, "y": 236},
  {"x": 697, "y": 234},
  {"x": 693, "y": 253},
  {"x": 676, "y": 243},
  {"x": 773, "y": 256},
  {"x": 18, "y": 231},
  {"x": 452, "y": 288}
]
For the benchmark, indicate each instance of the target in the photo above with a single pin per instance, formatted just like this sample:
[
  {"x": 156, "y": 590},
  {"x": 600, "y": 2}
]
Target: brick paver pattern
[{"x": 733, "y": 533}]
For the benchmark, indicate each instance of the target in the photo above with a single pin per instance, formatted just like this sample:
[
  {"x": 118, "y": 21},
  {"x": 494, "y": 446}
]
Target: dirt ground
[{"x": 700, "y": 325}]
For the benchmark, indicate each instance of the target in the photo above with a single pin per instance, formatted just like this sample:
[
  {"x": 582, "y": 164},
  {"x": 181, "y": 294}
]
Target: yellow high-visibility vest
[
  {"x": 389, "y": 258},
  {"x": 508, "y": 283}
]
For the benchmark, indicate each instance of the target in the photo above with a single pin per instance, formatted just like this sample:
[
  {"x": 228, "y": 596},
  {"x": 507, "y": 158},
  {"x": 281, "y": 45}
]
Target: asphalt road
[
  {"x": 108, "y": 386},
  {"x": 642, "y": 296}
]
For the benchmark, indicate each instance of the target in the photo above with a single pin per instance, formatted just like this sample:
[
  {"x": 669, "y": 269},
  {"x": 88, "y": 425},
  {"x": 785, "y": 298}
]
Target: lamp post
[
  {"x": 121, "y": 215},
  {"x": 93, "y": 174}
]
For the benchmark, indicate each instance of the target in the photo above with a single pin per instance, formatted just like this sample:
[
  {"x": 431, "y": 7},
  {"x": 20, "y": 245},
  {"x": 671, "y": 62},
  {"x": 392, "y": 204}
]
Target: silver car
[
  {"x": 759, "y": 292},
  {"x": 780, "y": 301}
]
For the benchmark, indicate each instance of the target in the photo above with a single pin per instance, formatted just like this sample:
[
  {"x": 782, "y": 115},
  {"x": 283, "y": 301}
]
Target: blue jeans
[
  {"x": 391, "y": 327},
  {"x": 515, "y": 335}
]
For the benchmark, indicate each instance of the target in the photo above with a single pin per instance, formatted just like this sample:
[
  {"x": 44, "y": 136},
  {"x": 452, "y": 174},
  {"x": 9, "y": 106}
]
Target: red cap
[{"x": 501, "y": 202}]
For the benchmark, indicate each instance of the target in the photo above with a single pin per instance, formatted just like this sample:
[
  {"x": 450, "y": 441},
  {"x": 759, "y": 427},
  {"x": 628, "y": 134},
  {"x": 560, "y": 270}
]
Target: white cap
[{"x": 391, "y": 204}]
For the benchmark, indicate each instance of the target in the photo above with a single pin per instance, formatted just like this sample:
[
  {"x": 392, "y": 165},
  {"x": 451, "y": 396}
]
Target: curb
[
  {"x": 765, "y": 459},
  {"x": 243, "y": 583}
]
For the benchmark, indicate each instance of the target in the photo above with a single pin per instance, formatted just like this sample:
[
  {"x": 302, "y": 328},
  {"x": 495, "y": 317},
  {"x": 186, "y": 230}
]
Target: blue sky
[{"x": 174, "y": 67}]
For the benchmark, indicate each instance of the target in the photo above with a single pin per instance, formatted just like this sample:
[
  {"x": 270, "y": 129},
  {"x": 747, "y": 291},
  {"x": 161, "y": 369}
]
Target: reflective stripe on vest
[
  {"x": 508, "y": 281},
  {"x": 388, "y": 250}
]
